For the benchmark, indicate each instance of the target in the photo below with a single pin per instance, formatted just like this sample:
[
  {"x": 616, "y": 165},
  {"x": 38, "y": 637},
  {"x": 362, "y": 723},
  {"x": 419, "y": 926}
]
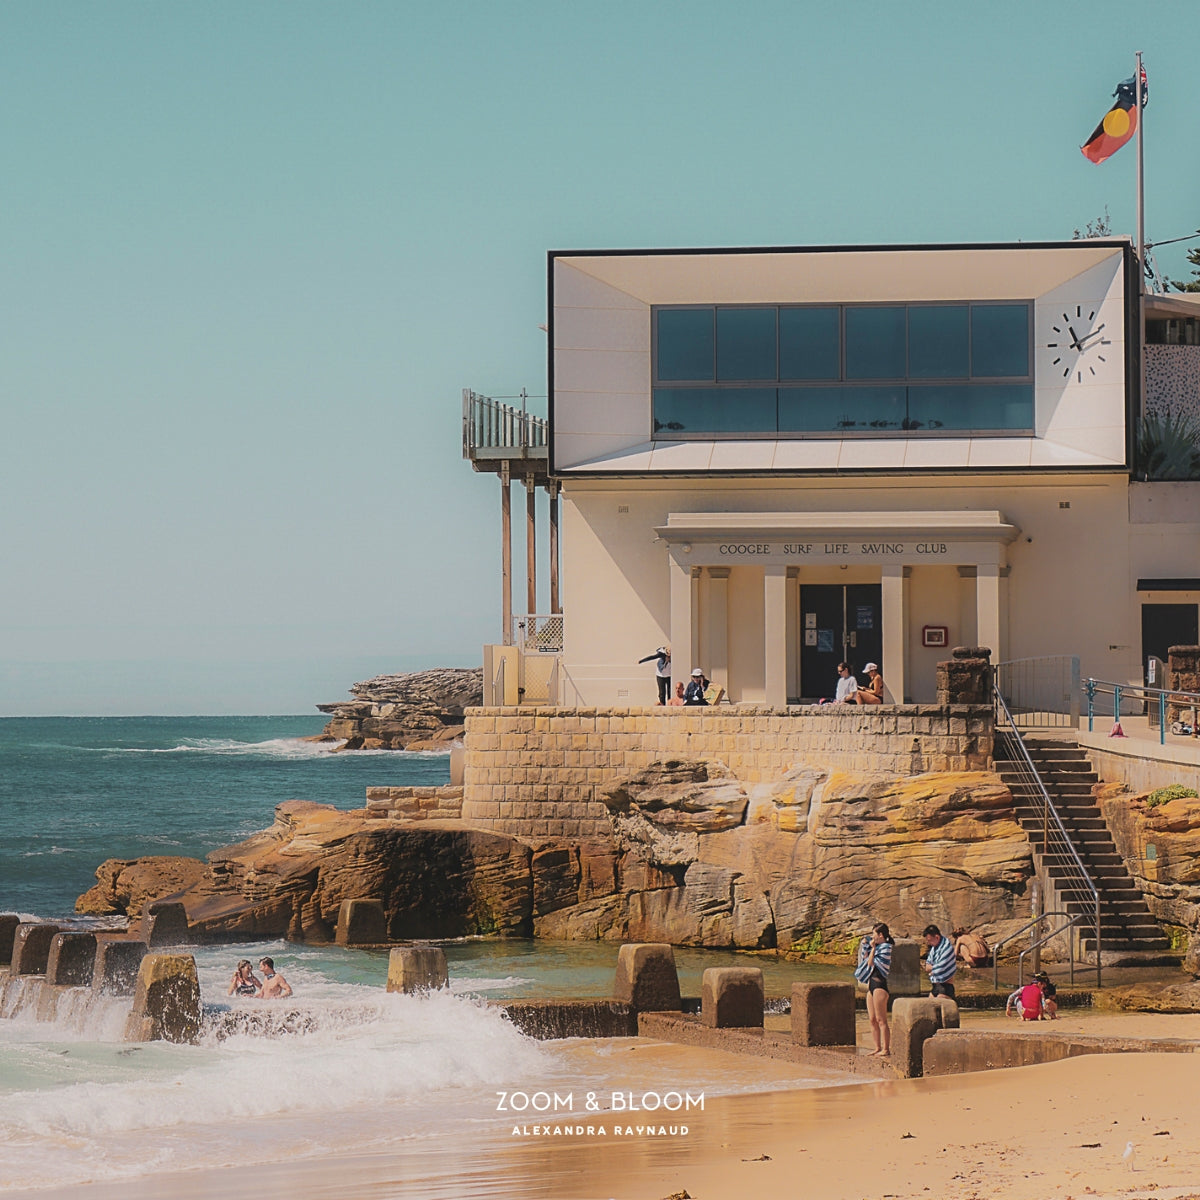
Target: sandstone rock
[
  {"x": 732, "y": 998},
  {"x": 361, "y": 923},
  {"x": 126, "y": 885},
  {"x": 647, "y": 979},
  {"x": 414, "y": 969},
  {"x": 1181, "y": 997},
  {"x": 904, "y": 978},
  {"x": 166, "y": 1003},
  {"x": 680, "y": 795}
]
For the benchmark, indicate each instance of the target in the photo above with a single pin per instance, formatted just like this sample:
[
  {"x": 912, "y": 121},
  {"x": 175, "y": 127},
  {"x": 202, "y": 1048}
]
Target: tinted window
[
  {"x": 1002, "y": 406},
  {"x": 809, "y": 346},
  {"x": 685, "y": 344},
  {"x": 937, "y": 341},
  {"x": 714, "y": 410},
  {"x": 842, "y": 409},
  {"x": 875, "y": 343},
  {"x": 999, "y": 339},
  {"x": 746, "y": 343}
]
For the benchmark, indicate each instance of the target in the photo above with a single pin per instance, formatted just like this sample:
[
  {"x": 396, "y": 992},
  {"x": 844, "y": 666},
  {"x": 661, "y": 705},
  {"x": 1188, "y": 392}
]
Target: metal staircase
[{"x": 1072, "y": 847}]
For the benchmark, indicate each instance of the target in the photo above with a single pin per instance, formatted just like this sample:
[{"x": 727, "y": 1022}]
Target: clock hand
[
  {"x": 1088, "y": 336},
  {"x": 1074, "y": 338}
]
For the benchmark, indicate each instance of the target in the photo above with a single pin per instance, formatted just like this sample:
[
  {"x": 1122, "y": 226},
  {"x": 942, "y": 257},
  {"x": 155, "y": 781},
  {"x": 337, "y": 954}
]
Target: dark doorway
[
  {"x": 838, "y": 622},
  {"x": 1167, "y": 625}
]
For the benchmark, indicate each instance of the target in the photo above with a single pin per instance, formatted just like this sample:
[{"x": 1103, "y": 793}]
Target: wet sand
[{"x": 1057, "y": 1130}]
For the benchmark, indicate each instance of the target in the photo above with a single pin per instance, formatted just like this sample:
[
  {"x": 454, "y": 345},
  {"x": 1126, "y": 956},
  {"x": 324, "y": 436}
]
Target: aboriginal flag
[{"x": 1119, "y": 124}]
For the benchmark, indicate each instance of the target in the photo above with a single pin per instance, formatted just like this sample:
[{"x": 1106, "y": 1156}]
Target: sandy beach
[{"x": 1055, "y": 1130}]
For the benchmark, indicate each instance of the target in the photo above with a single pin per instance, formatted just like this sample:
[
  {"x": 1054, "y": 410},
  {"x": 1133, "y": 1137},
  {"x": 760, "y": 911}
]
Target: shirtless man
[{"x": 274, "y": 987}]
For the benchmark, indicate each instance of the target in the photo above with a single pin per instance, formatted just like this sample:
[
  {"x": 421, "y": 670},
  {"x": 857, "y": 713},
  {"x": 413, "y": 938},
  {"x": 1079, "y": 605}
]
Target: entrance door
[
  {"x": 838, "y": 623},
  {"x": 1167, "y": 625}
]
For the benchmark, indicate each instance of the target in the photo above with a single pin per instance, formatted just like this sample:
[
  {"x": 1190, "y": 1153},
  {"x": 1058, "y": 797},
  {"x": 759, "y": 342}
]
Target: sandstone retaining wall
[
  {"x": 536, "y": 772},
  {"x": 415, "y": 803}
]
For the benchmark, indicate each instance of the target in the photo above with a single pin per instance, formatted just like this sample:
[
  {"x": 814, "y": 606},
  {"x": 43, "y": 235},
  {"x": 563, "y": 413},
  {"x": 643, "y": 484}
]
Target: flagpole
[{"x": 1141, "y": 238}]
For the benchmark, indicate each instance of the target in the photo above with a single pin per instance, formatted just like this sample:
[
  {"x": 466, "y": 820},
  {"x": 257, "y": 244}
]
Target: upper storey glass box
[{"x": 816, "y": 370}]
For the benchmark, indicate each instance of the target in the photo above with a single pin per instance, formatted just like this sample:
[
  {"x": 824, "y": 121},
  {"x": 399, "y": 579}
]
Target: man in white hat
[{"x": 694, "y": 694}]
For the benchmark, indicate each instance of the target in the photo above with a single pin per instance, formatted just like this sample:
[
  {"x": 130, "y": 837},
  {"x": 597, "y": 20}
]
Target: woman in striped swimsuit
[{"x": 874, "y": 964}]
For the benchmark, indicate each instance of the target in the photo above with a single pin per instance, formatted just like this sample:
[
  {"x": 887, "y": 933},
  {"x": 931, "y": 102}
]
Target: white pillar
[
  {"x": 718, "y": 626},
  {"x": 775, "y": 633},
  {"x": 895, "y": 632},
  {"x": 681, "y": 618},
  {"x": 695, "y": 626},
  {"x": 988, "y": 609},
  {"x": 793, "y": 632}
]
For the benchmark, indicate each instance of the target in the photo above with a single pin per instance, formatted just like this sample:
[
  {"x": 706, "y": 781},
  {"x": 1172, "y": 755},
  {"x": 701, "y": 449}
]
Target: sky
[{"x": 251, "y": 253}]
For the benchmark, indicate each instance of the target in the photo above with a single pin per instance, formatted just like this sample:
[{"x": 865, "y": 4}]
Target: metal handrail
[
  {"x": 489, "y": 425},
  {"x": 1042, "y": 691},
  {"x": 1053, "y": 828},
  {"x": 1102, "y": 687},
  {"x": 1073, "y": 919}
]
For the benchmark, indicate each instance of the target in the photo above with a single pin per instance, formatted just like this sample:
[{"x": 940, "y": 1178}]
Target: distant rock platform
[{"x": 422, "y": 710}]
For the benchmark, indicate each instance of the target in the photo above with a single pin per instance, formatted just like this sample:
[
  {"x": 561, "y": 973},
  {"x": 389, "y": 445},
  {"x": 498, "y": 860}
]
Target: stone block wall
[
  {"x": 537, "y": 772},
  {"x": 415, "y": 803}
]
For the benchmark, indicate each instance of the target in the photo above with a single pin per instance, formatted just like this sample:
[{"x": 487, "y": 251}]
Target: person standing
[
  {"x": 274, "y": 987},
  {"x": 940, "y": 963},
  {"x": 662, "y": 671},
  {"x": 874, "y": 966}
]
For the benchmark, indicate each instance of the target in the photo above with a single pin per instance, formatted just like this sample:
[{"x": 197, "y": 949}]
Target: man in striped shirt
[{"x": 940, "y": 963}]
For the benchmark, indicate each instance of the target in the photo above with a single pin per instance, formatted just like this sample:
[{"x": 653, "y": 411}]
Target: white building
[{"x": 772, "y": 460}]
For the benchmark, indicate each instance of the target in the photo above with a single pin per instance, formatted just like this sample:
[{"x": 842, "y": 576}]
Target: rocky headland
[{"x": 422, "y": 710}]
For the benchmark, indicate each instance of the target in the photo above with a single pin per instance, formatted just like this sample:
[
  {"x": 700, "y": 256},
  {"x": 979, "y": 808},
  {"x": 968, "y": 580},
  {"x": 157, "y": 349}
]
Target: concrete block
[
  {"x": 72, "y": 959},
  {"x": 948, "y": 1017},
  {"x": 417, "y": 969},
  {"x": 165, "y": 924},
  {"x": 8, "y": 931},
  {"x": 905, "y": 976},
  {"x": 116, "y": 966},
  {"x": 166, "y": 1001},
  {"x": 361, "y": 923},
  {"x": 914, "y": 1022},
  {"x": 646, "y": 978},
  {"x": 31, "y": 948},
  {"x": 732, "y": 998},
  {"x": 823, "y": 1014}
]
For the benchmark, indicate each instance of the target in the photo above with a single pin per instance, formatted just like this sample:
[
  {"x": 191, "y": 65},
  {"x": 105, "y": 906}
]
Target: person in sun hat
[
  {"x": 872, "y": 693},
  {"x": 694, "y": 695},
  {"x": 662, "y": 671}
]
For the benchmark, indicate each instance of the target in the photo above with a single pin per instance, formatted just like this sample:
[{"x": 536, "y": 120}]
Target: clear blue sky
[{"x": 251, "y": 254}]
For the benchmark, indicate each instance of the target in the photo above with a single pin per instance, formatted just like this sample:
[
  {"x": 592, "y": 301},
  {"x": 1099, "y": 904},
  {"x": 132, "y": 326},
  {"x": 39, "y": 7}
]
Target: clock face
[{"x": 1080, "y": 346}]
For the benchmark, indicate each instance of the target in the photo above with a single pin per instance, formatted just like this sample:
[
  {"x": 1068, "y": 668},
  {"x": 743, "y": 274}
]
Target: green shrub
[
  {"x": 1176, "y": 791},
  {"x": 1169, "y": 447}
]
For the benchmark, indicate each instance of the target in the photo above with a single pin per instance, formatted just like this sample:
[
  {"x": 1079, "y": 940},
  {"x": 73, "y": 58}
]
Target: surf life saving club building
[{"x": 774, "y": 460}]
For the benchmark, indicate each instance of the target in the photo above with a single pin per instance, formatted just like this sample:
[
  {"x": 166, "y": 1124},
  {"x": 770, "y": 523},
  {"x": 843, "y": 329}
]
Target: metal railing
[
  {"x": 489, "y": 424},
  {"x": 1041, "y": 693},
  {"x": 539, "y": 633},
  {"x": 1070, "y": 921},
  {"x": 1156, "y": 701},
  {"x": 1072, "y": 878}
]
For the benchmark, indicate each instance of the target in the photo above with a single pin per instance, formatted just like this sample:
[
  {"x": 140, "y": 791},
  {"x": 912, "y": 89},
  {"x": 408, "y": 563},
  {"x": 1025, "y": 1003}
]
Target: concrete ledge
[
  {"x": 958, "y": 1051},
  {"x": 550, "y": 1019},
  {"x": 687, "y": 1030}
]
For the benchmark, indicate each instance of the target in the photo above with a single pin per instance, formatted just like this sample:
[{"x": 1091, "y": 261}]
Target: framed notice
[
  {"x": 810, "y": 620},
  {"x": 810, "y": 637},
  {"x": 935, "y": 635},
  {"x": 825, "y": 641}
]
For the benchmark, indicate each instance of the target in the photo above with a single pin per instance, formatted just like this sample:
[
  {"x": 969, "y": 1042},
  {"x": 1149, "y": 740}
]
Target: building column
[
  {"x": 718, "y": 626},
  {"x": 696, "y": 611},
  {"x": 794, "y": 634},
  {"x": 555, "y": 600},
  {"x": 895, "y": 631},
  {"x": 530, "y": 546},
  {"x": 506, "y": 621},
  {"x": 681, "y": 615},
  {"x": 988, "y": 609},
  {"x": 775, "y": 633}
]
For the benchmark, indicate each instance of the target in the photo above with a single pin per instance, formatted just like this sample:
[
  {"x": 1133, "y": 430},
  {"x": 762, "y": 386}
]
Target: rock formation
[
  {"x": 696, "y": 857},
  {"x": 419, "y": 711}
]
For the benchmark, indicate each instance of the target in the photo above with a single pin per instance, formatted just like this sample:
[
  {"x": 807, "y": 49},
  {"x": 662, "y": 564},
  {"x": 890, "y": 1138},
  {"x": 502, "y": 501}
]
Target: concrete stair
[{"x": 1129, "y": 933}]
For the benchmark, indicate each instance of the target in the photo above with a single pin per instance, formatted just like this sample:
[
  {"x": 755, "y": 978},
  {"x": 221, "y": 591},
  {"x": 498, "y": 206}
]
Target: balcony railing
[{"x": 492, "y": 429}]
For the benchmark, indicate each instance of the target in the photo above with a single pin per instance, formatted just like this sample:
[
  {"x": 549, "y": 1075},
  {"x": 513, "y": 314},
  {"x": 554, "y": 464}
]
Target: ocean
[{"x": 358, "y": 1069}]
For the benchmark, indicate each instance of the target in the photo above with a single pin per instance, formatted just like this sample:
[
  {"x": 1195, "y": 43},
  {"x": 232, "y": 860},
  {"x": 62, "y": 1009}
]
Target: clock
[{"x": 1080, "y": 345}]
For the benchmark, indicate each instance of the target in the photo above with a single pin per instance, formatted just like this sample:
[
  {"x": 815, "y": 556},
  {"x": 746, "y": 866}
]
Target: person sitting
[
  {"x": 1049, "y": 996},
  {"x": 971, "y": 949},
  {"x": 1012, "y": 1006},
  {"x": 873, "y": 692},
  {"x": 244, "y": 981},
  {"x": 1031, "y": 1002},
  {"x": 847, "y": 685},
  {"x": 676, "y": 701},
  {"x": 694, "y": 695}
]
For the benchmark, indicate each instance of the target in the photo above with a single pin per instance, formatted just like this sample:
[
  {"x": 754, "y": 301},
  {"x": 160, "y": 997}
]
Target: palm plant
[{"x": 1169, "y": 446}]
